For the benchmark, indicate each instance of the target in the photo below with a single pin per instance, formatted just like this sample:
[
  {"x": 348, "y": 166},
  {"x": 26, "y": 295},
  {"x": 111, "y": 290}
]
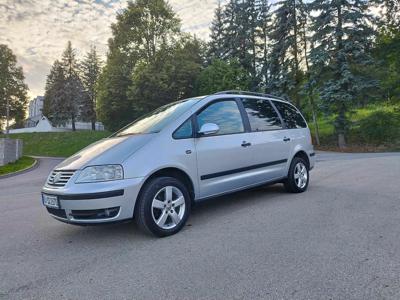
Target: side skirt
[{"x": 268, "y": 182}]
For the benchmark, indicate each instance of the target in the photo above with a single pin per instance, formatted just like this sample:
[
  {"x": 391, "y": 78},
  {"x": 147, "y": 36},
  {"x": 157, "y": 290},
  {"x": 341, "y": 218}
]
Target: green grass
[
  {"x": 22, "y": 163},
  {"x": 61, "y": 144}
]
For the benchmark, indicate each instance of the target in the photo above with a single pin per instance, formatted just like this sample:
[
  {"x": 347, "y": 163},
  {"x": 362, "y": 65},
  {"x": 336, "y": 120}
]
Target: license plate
[{"x": 50, "y": 201}]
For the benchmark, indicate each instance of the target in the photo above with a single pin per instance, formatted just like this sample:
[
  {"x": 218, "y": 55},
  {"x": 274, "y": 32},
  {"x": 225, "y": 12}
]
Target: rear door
[
  {"x": 270, "y": 147},
  {"x": 222, "y": 158}
]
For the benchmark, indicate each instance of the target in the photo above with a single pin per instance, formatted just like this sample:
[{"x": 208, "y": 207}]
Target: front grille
[
  {"x": 59, "y": 178},
  {"x": 57, "y": 212}
]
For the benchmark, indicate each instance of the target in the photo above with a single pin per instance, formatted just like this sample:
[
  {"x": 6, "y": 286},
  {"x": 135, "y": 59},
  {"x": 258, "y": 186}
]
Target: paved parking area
[{"x": 339, "y": 240}]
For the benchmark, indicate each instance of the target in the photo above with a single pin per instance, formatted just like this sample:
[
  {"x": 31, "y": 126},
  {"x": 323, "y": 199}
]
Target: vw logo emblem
[{"x": 57, "y": 178}]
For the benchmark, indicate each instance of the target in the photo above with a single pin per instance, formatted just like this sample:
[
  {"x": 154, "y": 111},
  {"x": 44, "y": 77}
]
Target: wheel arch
[
  {"x": 302, "y": 154},
  {"x": 170, "y": 172}
]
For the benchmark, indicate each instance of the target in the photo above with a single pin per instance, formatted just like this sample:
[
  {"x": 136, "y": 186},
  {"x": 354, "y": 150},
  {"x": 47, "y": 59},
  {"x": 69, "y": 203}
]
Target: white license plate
[{"x": 50, "y": 201}]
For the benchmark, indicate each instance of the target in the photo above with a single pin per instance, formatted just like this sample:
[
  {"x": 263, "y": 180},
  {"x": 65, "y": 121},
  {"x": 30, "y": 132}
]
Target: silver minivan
[{"x": 157, "y": 167}]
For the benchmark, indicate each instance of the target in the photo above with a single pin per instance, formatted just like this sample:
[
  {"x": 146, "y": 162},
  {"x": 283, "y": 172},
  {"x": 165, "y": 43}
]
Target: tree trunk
[
  {"x": 314, "y": 115},
  {"x": 73, "y": 123},
  {"x": 296, "y": 58},
  {"x": 341, "y": 127},
  {"x": 94, "y": 125},
  {"x": 310, "y": 90},
  {"x": 341, "y": 141}
]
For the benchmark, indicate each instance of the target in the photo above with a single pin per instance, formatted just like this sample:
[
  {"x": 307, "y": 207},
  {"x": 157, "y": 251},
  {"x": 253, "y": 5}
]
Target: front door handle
[
  {"x": 286, "y": 139},
  {"x": 246, "y": 144}
]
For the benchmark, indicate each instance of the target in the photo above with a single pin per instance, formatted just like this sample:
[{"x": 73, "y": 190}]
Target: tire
[
  {"x": 298, "y": 176},
  {"x": 163, "y": 206}
]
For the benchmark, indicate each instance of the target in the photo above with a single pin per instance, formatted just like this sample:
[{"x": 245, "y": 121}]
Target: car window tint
[
  {"x": 184, "y": 131},
  {"x": 290, "y": 115},
  {"x": 225, "y": 114},
  {"x": 262, "y": 115}
]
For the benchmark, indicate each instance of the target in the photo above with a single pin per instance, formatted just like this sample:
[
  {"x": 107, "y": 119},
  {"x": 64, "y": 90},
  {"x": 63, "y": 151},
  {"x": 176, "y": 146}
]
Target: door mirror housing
[{"x": 208, "y": 129}]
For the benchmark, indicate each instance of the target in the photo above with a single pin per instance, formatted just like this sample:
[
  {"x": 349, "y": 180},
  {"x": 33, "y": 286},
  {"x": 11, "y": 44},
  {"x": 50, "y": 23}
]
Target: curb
[
  {"x": 48, "y": 157},
  {"x": 30, "y": 168}
]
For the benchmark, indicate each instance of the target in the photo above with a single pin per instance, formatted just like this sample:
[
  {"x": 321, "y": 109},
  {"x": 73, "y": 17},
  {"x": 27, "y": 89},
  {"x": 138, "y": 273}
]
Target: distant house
[
  {"x": 35, "y": 111},
  {"x": 37, "y": 122}
]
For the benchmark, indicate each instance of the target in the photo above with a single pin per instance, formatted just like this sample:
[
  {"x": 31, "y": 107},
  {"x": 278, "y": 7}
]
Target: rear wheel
[
  {"x": 163, "y": 206},
  {"x": 298, "y": 176}
]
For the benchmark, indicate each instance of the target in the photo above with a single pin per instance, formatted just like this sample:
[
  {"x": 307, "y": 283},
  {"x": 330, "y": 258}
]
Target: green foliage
[
  {"x": 21, "y": 164},
  {"x": 171, "y": 74},
  {"x": 58, "y": 144},
  {"x": 142, "y": 30},
  {"x": 287, "y": 41},
  {"x": 64, "y": 92},
  {"x": 113, "y": 107},
  {"x": 379, "y": 127},
  {"x": 12, "y": 87},
  {"x": 238, "y": 33},
  {"x": 342, "y": 37},
  {"x": 387, "y": 51},
  {"x": 89, "y": 72},
  {"x": 221, "y": 75}
]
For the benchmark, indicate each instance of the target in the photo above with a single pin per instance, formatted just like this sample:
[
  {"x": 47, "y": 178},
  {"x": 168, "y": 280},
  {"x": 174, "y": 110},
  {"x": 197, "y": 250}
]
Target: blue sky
[{"x": 38, "y": 30}]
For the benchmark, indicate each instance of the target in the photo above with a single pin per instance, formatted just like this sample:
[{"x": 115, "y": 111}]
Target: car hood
[{"x": 106, "y": 151}]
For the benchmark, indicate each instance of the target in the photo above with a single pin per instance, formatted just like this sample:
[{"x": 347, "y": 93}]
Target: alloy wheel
[
  {"x": 300, "y": 175},
  {"x": 168, "y": 207}
]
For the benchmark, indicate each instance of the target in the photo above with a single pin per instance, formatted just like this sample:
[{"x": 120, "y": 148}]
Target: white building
[{"x": 36, "y": 107}]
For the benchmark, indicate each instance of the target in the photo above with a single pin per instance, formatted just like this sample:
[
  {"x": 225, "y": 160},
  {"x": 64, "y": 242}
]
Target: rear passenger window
[
  {"x": 262, "y": 115},
  {"x": 225, "y": 114},
  {"x": 290, "y": 115},
  {"x": 185, "y": 131}
]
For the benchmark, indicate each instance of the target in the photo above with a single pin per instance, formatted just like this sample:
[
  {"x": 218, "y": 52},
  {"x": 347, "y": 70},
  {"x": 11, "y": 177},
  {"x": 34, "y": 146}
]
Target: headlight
[{"x": 101, "y": 173}]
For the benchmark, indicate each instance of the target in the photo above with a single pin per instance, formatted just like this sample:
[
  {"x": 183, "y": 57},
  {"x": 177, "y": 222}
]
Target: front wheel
[
  {"x": 298, "y": 176},
  {"x": 163, "y": 206}
]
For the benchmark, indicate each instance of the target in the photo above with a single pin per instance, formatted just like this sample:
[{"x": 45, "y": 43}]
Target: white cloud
[{"x": 38, "y": 30}]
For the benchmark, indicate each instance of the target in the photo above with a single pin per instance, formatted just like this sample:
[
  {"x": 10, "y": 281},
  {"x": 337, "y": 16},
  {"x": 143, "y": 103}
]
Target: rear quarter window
[{"x": 291, "y": 116}]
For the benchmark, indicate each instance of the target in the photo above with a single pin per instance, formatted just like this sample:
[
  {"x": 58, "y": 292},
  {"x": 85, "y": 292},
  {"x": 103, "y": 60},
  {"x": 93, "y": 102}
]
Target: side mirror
[{"x": 208, "y": 128}]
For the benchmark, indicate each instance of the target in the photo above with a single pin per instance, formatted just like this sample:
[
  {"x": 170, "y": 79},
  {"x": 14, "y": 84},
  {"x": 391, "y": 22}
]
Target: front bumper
[{"x": 95, "y": 203}]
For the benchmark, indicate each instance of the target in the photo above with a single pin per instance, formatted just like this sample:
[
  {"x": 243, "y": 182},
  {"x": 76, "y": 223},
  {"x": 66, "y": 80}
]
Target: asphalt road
[{"x": 339, "y": 240}]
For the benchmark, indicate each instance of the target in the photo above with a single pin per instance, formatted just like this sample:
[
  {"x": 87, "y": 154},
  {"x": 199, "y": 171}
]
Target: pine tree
[
  {"x": 90, "y": 71},
  {"x": 286, "y": 55},
  {"x": 53, "y": 95},
  {"x": 342, "y": 34},
  {"x": 240, "y": 36},
  {"x": 216, "y": 48},
  {"x": 13, "y": 90},
  {"x": 64, "y": 90}
]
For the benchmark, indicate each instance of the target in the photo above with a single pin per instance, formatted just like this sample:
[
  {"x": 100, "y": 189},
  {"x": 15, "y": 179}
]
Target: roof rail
[{"x": 249, "y": 94}]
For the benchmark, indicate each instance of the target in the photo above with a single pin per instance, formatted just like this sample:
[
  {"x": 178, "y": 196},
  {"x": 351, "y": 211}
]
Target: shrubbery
[{"x": 380, "y": 127}]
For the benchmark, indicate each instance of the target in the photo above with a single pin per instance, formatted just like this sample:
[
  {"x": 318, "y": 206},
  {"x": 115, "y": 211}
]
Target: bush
[{"x": 380, "y": 127}]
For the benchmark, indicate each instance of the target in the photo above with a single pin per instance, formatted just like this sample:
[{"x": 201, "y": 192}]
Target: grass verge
[
  {"x": 21, "y": 164},
  {"x": 61, "y": 144}
]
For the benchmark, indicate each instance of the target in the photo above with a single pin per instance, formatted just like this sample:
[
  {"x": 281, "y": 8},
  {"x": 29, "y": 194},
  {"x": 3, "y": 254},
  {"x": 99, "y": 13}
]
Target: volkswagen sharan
[{"x": 157, "y": 167}]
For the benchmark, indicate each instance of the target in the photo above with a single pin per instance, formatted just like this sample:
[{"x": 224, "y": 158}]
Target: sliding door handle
[
  {"x": 246, "y": 144},
  {"x": 286, "y": 139}
]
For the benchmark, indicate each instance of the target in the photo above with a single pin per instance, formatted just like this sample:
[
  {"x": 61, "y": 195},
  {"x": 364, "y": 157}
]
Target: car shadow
[{"x": 210, "y": 208}]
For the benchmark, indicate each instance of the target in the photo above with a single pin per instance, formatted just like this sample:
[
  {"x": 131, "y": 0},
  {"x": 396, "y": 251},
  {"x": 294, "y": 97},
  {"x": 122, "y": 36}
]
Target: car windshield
[{"x": 158, "y": 119}]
